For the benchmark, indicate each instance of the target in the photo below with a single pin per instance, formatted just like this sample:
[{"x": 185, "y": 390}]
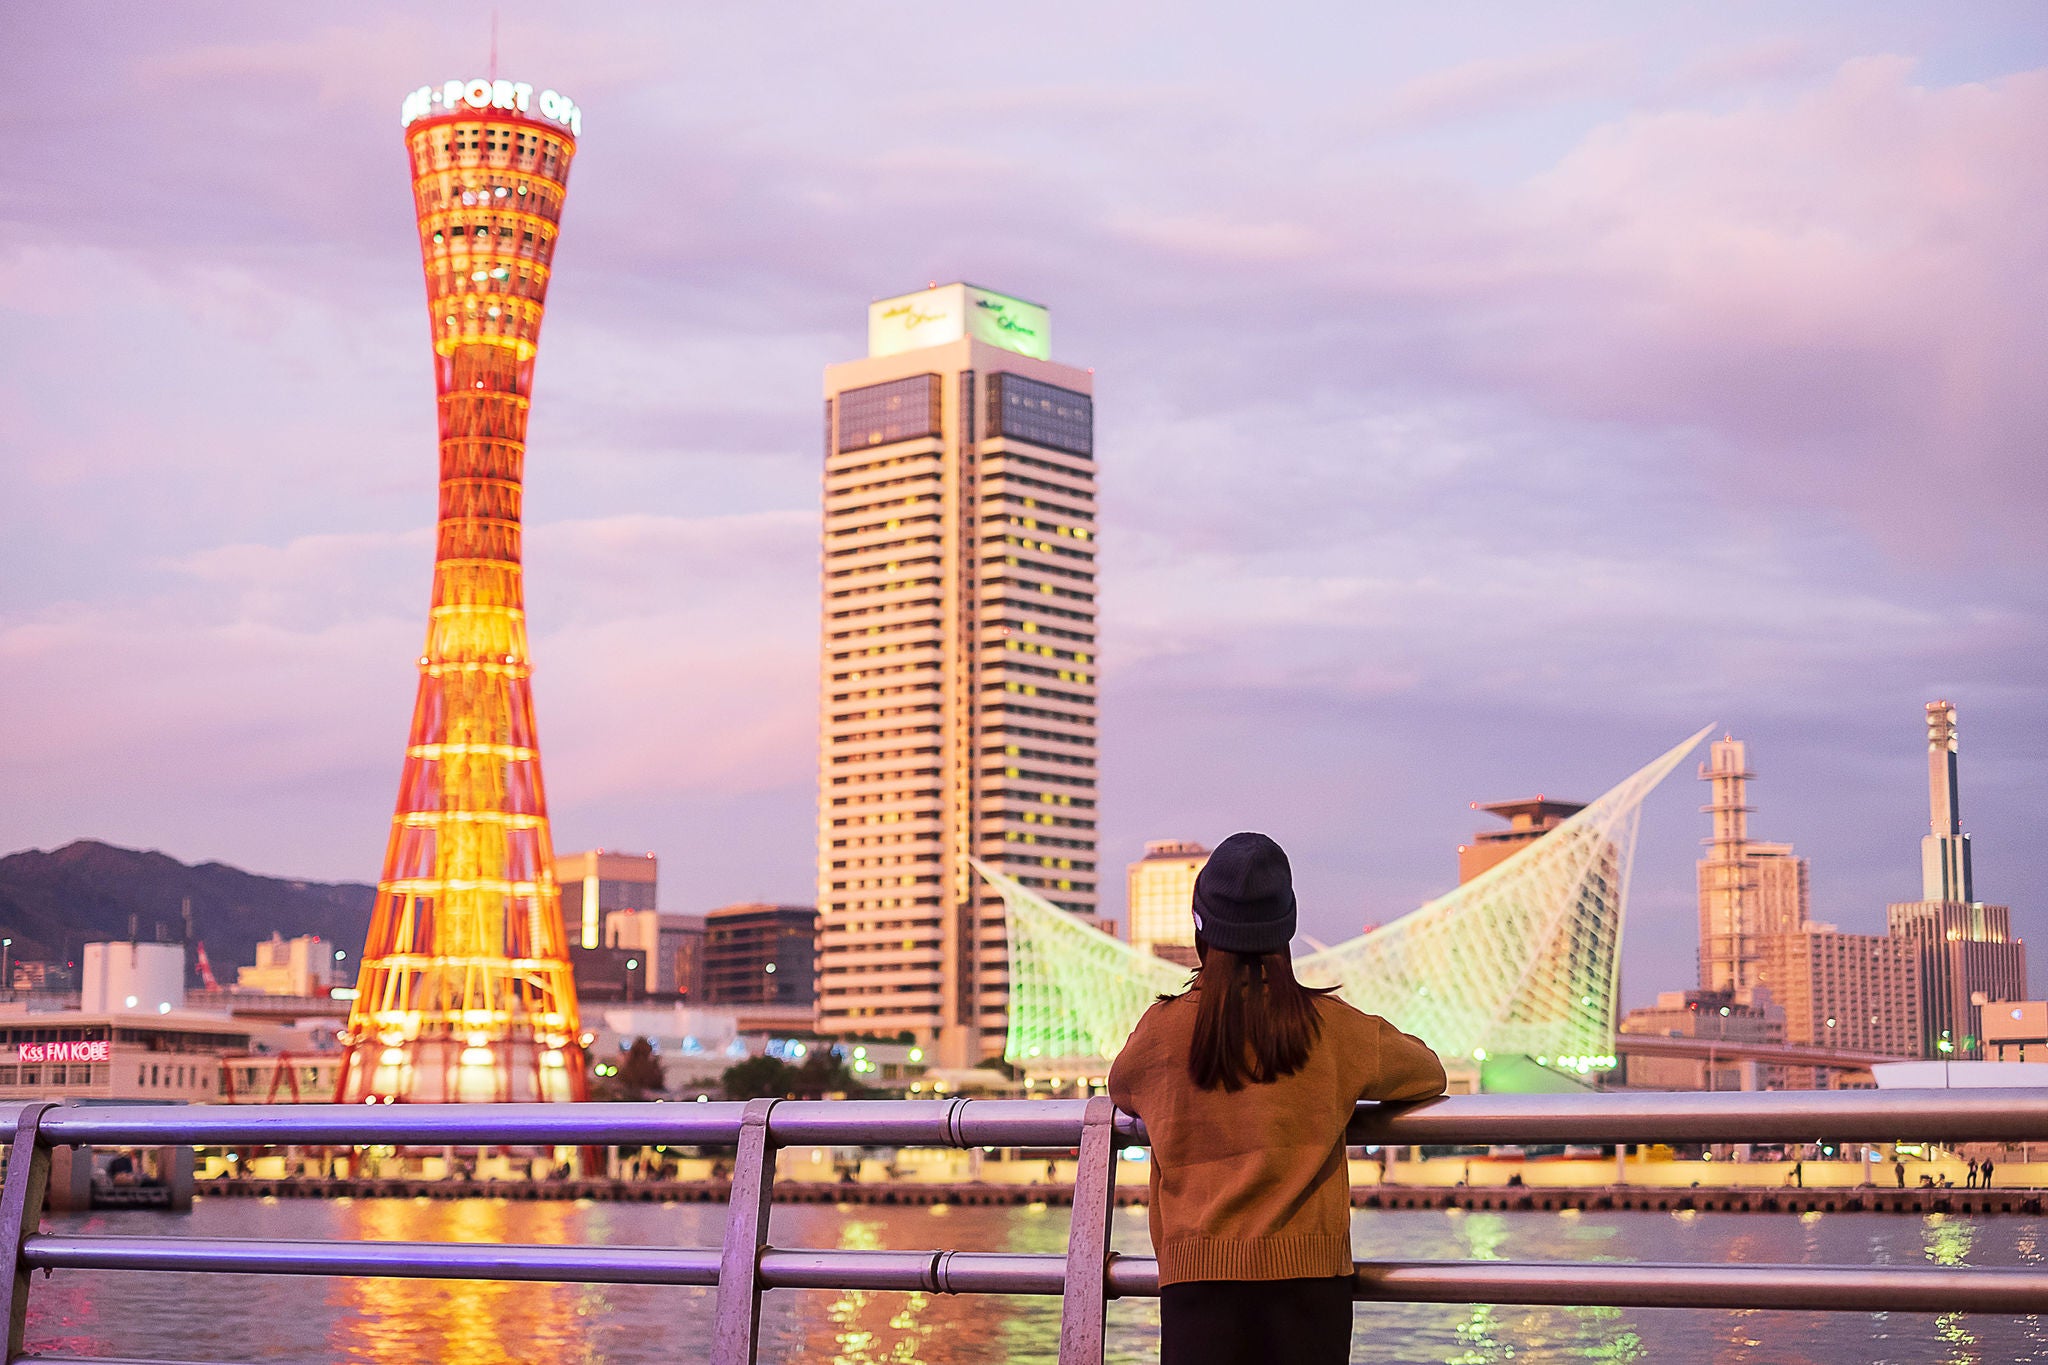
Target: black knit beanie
[{"x": 1244, "y": 897}]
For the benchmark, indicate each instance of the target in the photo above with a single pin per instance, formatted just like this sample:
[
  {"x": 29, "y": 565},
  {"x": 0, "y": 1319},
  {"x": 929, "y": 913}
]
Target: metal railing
[{"x": 1086, "y": 1277}]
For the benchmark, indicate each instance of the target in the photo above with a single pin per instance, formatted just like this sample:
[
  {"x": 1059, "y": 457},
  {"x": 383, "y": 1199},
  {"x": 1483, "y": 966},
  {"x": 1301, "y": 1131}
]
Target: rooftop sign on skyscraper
[{"x": 949, "y": 312}]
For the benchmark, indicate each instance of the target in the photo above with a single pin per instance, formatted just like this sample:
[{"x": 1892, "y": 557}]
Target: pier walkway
[{"x": 1087, "y": 1275}]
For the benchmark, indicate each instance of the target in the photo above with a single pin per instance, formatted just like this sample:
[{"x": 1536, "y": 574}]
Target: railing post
[
  {"x": 1086, "y": 1303},
  {"x": 736, "y": 1330},
  {"x": 21, "y": 1211}
]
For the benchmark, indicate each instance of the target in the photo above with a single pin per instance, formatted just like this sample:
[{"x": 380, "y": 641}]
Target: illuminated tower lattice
[{"x": 465, "y": 990}]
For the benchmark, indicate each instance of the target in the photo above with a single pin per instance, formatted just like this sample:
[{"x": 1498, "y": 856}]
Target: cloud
[{"x": 1495, "y": 85}]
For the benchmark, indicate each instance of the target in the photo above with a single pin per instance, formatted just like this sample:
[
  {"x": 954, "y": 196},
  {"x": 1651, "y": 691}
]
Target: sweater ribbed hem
[{"x": 1306, "y": 1256}]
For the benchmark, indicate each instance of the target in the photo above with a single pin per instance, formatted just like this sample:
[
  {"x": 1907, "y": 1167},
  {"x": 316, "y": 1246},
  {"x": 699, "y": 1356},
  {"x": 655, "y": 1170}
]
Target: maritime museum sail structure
[{"x": 1523, "y": 961}]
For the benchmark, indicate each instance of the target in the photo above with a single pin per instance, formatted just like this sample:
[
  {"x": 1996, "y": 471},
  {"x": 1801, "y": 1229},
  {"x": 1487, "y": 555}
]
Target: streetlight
[
  {"x": 6, "y": 982},
  {"x": 1945, "y": 1047}
]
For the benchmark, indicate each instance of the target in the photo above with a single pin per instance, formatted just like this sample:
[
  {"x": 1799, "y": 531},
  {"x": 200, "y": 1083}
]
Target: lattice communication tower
[{"x": 465, "y": 991}]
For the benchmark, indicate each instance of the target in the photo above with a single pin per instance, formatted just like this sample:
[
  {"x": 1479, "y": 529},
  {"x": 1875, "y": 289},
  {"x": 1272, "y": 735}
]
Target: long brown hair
[{"x": 1253, "y": 1021}]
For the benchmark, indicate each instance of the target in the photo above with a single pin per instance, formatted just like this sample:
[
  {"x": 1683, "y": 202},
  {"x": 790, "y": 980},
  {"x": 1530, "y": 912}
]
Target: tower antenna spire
[{"x": 494, "y": 44}]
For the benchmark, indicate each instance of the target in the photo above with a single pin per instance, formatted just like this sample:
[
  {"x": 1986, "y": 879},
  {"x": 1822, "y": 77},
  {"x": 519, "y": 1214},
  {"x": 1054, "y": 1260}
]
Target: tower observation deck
[{"x": 465, "y": 991}]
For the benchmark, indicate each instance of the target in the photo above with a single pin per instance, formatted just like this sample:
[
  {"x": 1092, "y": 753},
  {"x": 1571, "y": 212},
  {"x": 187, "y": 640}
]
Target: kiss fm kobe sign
[
  {"x": 454, "y": 97},
  {"x": 952, "y": 311}
]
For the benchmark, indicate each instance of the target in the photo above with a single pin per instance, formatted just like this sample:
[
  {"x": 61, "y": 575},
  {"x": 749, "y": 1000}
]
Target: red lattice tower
[{"x": 465, "y": 992}]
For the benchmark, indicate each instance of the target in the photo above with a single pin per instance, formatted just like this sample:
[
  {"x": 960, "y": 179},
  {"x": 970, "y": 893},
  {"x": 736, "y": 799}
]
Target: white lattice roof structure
[{"x": 1521, "y": 961}]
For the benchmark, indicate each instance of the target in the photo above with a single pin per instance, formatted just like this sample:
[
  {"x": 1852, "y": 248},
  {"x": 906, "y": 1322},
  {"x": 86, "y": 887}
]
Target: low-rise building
[
  {"x": 105, "y": 1056},
  {"x": 758, "y": 954},
  {"x": 302, "y": 966},
  {"x": 1749, "y": 1017}
]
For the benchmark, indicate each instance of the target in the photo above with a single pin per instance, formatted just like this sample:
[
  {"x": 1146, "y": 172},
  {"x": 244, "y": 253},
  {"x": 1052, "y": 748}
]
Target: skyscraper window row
[
  {"x": 1076, "y": 527},
  {"x": 882, "y": 596},
  {"x": 1036, "y": 605},
  {"x": 882, "y": 414},
  {"x": 866, "y": 535},
  {"x": 895, "y": 606},
  {"x": 998, "y": 497},
  {"x": 840, "y": 515},
  {"x": 851, "y": 476},
  {"x": 1038, "y": 755},
  {"x": 999, "y": 466},
  {"x": 1044, "y": 547},
  {"x": 1005, "y": 731},
  {"x": 874, "y": 571},
  {"x": 1025, "y": 689},
  {"x": 994, "y": 563},
  {"x": 876, "y": 547},
  {"x": 1027, "y": 631},
  {"x": 1043, "y": 414}
]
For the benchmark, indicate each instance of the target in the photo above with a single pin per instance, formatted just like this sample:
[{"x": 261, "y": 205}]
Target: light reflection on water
[{"x": 252, "y": 1318}]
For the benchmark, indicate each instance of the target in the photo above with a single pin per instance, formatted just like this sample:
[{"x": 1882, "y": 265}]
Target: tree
[
  {"x": 823, "y": 1074},
  {"x": 641, "y": 1072},
  {"x": 638, "y": 1075},
  {"x": 758, "y": 1078}
]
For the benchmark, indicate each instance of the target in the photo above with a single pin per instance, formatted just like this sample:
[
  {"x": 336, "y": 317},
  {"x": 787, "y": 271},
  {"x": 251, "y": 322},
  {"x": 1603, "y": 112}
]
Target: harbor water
[{"x": 256, "y": 1318}]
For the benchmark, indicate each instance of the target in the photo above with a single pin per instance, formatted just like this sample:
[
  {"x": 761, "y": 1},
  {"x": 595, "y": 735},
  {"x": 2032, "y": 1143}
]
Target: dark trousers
[{"x": 1254, "y": 1322}]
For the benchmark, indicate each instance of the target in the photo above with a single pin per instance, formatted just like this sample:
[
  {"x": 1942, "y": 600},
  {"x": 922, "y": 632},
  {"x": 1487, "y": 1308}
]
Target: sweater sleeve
[
  {"x": 1408, "y": 1069},
  {"x": 1125, "y": 1070}
]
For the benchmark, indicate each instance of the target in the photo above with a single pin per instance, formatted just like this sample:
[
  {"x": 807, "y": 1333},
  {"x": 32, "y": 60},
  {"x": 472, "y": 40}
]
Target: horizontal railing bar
[
  {"x": 1977, "y": 1115},
  {"x": 1984, "y": 1115},
  {"x": 1971, "y": 1289},
  {"x": 422, "y": 1125},
  {"x": 1604, "y": 1284},
  {"x": 405, "y": 1260},
  {"x": 956, "y": 1123}
]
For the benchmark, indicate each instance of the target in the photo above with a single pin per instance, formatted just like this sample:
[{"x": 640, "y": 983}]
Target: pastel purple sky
[{"x": 1485, "y": 402}]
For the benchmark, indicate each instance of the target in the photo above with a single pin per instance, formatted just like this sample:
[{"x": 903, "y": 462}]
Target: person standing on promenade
[
  {"x": 1245, "y": 1082},
  {"x": 1984, "y": 1174},
  {"x": 1899, "y": 1169},
  {"x": 1970, "y": 1180}
]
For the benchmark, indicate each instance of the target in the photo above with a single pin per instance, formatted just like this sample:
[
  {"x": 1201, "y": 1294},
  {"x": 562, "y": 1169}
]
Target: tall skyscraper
[
  {"x": 1160, "y": 890},
  {"x": 465, "y": 991},
  {"x": 1748, "y": 889},
  {"x": 959, "y": 662},
  {"x": 1968, "y": 955},
  {"x": 1945, "y": 850}
]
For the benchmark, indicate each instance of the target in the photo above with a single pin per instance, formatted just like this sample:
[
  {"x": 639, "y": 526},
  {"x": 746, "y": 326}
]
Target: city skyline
[{"x": 1367, "y": 566}]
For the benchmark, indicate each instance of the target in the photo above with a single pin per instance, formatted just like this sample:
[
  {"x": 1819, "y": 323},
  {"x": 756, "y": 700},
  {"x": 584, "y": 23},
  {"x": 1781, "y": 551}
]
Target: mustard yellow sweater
[{"x": 1251, "y": 1184}]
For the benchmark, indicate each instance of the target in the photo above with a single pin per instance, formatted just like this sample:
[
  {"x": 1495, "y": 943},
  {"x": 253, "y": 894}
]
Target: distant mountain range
[{"x": 53, "y": 903}]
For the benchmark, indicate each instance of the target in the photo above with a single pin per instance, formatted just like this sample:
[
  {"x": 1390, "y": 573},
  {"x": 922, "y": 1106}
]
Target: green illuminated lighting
[{"x": 1521, "y": 961}]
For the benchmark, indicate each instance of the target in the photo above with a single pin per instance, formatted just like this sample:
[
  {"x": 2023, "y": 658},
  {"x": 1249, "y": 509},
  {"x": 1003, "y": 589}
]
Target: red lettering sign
[{"x": 65, "y": 1052}]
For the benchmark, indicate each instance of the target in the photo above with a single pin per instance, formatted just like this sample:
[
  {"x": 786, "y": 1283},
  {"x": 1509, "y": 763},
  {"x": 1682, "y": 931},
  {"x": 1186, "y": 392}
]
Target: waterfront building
[
  {"x": 959, "y": 661},
  {"x": 671, "y": 949},
  {"x": 170, "y": 1057},
  {"x": 1160, "y": 897},
  {"x": 595, "y": 883},
  {"x": 1748, "y": 890},
  {"x": 302, "y": 966},
  {"x": 756, "y": 954},
  {"x": 465, "y": 990},
  {"x": 1528, "y": 821},
  {"x": 1968, "y": 953},
  {"x": 1851, "y": 992},
  {"x": 1725, "y": 1016},
  {"x": 144, "y": 977},
  {"x": 1514, "y": 972},
  {"x": 2011, "y": 1027}
]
